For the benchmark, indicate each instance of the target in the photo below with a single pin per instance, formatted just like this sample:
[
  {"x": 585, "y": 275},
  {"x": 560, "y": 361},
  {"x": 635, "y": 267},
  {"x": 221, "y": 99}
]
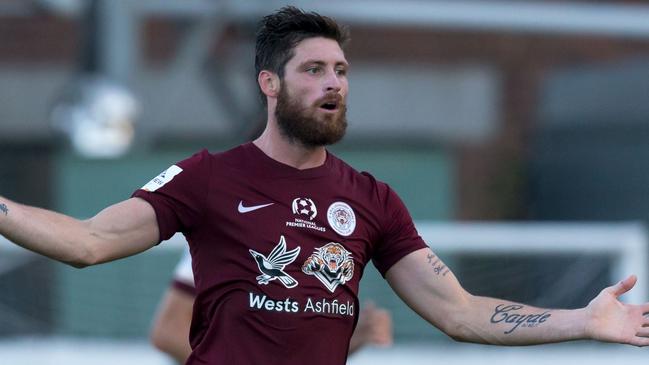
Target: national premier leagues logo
[
  {"x": 304, "y": 213},
  {"x": 305, "y": 207},
  {"x": 332, "y": 264}
]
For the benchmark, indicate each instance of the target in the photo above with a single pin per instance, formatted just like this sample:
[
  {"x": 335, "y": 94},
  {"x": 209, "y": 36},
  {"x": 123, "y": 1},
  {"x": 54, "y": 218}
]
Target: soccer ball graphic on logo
[{"x": 305, "y": 206}]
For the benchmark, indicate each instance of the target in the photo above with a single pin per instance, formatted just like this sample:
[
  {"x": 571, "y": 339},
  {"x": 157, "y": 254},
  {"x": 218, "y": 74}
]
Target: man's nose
[{"x": 333, "y": 82}]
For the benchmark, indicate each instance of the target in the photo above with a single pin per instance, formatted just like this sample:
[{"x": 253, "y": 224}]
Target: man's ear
[{"x": 269, "y": 83}]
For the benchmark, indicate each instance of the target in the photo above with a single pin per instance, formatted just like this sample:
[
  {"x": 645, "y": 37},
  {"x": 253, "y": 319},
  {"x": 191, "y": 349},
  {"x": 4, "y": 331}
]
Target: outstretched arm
[
  {"x": 118, "y": 231},
  {"x": 423, "y": 281}
]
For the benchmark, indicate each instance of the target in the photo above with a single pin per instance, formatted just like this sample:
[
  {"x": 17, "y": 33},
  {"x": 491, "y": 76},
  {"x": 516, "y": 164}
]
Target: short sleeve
[
  {"x": 399, "y": 236},
  {"x": 178, "y": 194}
]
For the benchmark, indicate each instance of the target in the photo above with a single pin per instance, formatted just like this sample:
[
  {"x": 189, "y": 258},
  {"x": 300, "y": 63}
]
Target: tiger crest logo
[{"x": 332, "y": 264}]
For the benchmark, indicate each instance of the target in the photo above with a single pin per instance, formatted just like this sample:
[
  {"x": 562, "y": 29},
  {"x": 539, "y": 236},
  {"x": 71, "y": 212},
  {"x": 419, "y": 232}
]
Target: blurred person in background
[
  {"x": 280, "y": 231},
  {"x": 170, "y": 330}
]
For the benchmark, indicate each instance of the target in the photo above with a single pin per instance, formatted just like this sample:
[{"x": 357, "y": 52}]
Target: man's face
[{"x": 312, "y": 101}]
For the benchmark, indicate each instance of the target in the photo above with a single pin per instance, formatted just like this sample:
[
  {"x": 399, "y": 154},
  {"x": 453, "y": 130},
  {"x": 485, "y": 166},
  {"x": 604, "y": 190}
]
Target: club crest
[{"x": 341, "y": 218}]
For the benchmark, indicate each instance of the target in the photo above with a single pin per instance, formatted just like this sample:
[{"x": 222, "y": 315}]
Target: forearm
[
  {"x": 495, "y": 321},
  {"x": 170, "y": 330},
  {"x": 118, "y": 231},
  {"x": 431, "y": 289},
  {"x": 45, "y": 232}
]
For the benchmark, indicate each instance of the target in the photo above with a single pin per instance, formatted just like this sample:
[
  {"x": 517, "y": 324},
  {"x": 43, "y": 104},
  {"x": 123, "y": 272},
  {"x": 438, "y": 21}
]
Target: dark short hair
[{"x": 278, "y": 34}]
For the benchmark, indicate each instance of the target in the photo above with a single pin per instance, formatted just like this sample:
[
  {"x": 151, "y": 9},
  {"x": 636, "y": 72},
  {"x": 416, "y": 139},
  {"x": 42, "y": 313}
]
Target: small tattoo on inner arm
[
  {"x": 4, "y": 209},
  {"x": 437, "y": 265},
  {"x": 508, "y": 314}
]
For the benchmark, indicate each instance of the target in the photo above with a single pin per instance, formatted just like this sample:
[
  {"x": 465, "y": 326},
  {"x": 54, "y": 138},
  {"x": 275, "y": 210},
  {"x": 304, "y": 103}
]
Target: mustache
[{"x": 331, "y": 98}]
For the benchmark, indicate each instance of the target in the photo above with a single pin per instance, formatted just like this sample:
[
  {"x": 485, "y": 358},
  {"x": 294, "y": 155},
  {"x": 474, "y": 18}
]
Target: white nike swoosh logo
[{"x": 243, "y": 209}]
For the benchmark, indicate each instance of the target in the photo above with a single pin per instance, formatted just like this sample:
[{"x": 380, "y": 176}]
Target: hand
[
  {"x": 374, "y": 327},
  {"x": 613, "y": 321}
]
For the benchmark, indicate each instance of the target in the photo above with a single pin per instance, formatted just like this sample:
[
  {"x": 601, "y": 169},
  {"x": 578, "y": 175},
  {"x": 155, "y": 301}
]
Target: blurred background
[{"x": 478, "y": 113}]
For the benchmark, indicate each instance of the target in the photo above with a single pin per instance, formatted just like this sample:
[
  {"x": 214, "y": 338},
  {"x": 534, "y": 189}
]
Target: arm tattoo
[
  {"x": 437, "y": 265},
  {"x": 508, "y": 314},
  {"x": 4, "y": 209}
]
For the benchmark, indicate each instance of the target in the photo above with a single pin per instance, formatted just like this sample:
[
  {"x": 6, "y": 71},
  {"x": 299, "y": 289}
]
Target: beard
[{"x": 303, "y": 124}]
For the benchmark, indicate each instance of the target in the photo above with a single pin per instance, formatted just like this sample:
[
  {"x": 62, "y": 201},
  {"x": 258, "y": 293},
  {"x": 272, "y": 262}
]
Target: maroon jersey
[{"x": 277, "y": 252}]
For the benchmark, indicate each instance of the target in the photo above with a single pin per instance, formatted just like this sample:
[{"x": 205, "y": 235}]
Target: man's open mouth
[{"x": 329, "y": 106}]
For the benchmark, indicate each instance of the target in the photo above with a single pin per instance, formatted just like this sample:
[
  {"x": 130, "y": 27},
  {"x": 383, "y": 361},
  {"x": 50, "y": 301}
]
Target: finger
[
  {"x": 380, "y": 318},
  {"x": 387, "y": 336},
  {"x": 384, "y": 317},
  {"x": 382, "y": 337},
  {"x": 643, "y": 332},
  {"x": 623, "y": 286},
  {"x": 640, "y": 341},
  {"x": 383, "y": 341},
  {"x": 384, "y": 328}
]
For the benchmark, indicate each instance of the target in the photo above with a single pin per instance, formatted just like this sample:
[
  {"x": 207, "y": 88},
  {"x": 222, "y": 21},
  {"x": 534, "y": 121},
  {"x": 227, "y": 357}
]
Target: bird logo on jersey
[
  {"x": 272, "y": 267},
  {"x": 332, "y": 264}
]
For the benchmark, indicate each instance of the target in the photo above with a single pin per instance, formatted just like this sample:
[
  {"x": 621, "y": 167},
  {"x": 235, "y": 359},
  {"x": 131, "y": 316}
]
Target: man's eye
[
  {"x": 341, "y": 72},
  {"x": 313, "y": 70}
]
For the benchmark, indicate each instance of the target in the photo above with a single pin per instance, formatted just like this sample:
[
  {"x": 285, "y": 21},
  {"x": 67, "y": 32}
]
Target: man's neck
[{"x": 281, "y": 149}]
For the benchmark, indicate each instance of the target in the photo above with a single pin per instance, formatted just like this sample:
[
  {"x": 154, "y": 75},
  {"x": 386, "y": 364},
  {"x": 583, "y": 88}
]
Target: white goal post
[{"x": 624, "y": 243}]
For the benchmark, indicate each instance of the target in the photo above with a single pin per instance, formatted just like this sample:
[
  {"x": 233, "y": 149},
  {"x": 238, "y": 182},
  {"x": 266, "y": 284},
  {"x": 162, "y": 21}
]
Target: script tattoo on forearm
[
  {"x": 4, "y": 209},
  {"x": 437, "y": 265},
  {"x": 504, "y": 313}
]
